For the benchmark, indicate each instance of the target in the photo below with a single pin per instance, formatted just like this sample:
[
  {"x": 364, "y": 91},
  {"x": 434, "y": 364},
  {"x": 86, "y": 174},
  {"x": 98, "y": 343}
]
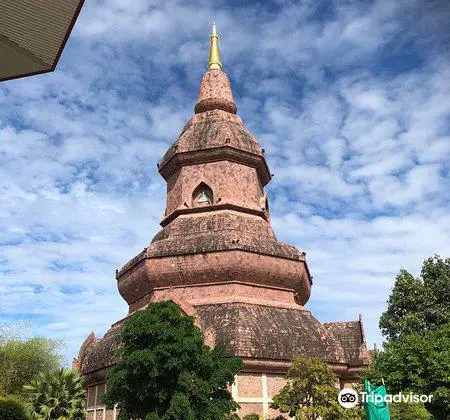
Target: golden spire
[{"x": 214, "y": 55}]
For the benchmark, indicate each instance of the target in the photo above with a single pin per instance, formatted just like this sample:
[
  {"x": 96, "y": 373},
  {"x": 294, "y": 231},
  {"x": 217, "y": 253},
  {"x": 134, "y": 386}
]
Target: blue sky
[{"x": 350, "y": 99}]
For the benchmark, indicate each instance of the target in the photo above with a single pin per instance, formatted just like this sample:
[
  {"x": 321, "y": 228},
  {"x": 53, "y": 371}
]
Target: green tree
[
  {"x": 22, "y": 359},
  {"x": 166, "y": 372},
  {"x": 311, "y": 393},
  {"x": 408, "y": 411},
  {"x": 57, "y": 395},
  {"x": 419, "y": 363},
  {"x": 404, "y": 313},
  {"x": 418, "y": 304},
  {"x": 13, "y": 409},
  {"x": 416, "y": 356}
]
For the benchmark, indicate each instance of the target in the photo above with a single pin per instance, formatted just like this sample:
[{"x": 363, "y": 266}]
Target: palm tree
[{"x": 57, "y": 395}]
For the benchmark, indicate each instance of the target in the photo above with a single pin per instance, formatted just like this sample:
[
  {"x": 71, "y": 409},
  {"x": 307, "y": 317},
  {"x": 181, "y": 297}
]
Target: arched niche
[
  {"x": 202, "y": 196},
  {"x": 264, "y": 204}
]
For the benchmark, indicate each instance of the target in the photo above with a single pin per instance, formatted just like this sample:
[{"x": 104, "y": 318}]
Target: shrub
[
  {"x": 232, "y": 416},
  {"x": 251, "y": 416},
  {"x": 57, "y": 395},
  {"x": 12, "y": 409},
  {"x": 407, "y": 411}
]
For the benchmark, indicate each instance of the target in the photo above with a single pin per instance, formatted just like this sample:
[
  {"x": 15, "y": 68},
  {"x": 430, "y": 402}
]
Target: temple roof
[
  {"x": 256, "y": 331},
  {"x": 213, "y": 129},
  {"x": 219, "y": 231},
  {"x": 215, "y": 124},
  {"x": 100, "y": 353},
  {"x": 351, "y": 337},
  {"x": 267, "y": 332}
]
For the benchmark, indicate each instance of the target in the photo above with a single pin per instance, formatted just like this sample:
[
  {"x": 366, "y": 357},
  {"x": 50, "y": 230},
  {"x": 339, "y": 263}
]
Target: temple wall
[
  {"x": 210, "y": 293},
  {"x": 216, "y": 256},
  {"x": 252, "y": 391},
  {"x": 349, "y": 382},
  {"x": 211, "y": 267},
  {"x": 95, "y": 409},
  {"x": 206, "y": 294},
  {"x": 230, "y": 182}
]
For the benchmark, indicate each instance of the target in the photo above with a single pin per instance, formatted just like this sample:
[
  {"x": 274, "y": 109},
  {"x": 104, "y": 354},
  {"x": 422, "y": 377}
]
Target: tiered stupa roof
[{"x": 217, "y": 255}]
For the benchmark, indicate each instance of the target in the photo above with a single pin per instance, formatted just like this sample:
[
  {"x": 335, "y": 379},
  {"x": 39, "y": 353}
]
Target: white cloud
[{"x": 351, "y": 103}]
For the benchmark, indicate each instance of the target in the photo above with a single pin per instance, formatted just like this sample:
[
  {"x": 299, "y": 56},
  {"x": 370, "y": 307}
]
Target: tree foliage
[
  {"x": 408, "y": 411},
  {"x": 22, "y": 359},
  {"x": 166, "y": 372},
  {"x": 418, "y": 304},
  {"x": 231, "y": 416},
  {"x": 311, "y": 393},
  {"x": 419, "y": 363},
  {"x": 12, "y": 409},
  {"x": 251, "y": 416},
  {"x": 416, "y": 356},
  {"x": 57, "y": 395}
]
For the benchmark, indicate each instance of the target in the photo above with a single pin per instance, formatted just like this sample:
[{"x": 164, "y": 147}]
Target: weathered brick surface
[
  {"x": 199, "y": 243},
  {"x": 216, "y": 222},
  {"x": 248, "y": 408},
  {"x": 231, "y": 182},
  {"x": 101, "y": 389},
  {"x": 214, "y": 126},
  {"x": 350, "y": 335},
  {"x": 211, "y": 130},
  {"x": 253, "y": 331},
  {"x": 109, "y": 415},
  {"x": 91, "y": 397},
  {"x": 209, "y": 267},
  {"x": 269, "y": 333},
  {"x": 215, "y": 93},
  {"x": 274, "y": 384},
  {"x": 101, "y": 354},
  {"x": 249, "y": 385},
  {"x": 225, "y": 240},
  {"x": 205, "y": 294},
  {"x": 220, "y": 261}
]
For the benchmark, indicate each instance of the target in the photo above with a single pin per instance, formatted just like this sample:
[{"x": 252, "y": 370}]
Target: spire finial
[{"x": 214, "y": 55}]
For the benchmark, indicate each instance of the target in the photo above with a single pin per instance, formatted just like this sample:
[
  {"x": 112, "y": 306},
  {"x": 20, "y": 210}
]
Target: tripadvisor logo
[{"x": 349, "y": 398}]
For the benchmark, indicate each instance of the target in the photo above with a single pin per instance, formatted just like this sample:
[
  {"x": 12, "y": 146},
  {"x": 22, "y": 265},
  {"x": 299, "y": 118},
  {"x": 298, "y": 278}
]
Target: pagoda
[{"x": 218, "y": 258}]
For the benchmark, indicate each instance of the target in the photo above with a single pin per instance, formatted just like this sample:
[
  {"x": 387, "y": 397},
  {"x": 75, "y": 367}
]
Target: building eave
[{"x": 21, "y": 49}]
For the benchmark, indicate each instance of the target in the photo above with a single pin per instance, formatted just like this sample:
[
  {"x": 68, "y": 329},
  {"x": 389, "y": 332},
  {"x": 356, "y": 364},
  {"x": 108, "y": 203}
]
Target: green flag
[{"x": 375, "y": 406}]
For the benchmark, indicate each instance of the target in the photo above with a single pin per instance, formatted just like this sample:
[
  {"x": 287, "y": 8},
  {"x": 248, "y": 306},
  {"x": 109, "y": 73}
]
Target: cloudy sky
[{"x": 350, "y": 99}]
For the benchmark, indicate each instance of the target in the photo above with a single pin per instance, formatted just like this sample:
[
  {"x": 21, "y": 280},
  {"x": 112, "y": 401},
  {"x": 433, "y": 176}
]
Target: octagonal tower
[
  {"x": 216, "y": 237},
  {"x": 218, "y": 258}
]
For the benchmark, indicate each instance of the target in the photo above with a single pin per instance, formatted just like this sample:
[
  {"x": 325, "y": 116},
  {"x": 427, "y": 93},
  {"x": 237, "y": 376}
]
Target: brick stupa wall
[{"x": 218, "y": 258}]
